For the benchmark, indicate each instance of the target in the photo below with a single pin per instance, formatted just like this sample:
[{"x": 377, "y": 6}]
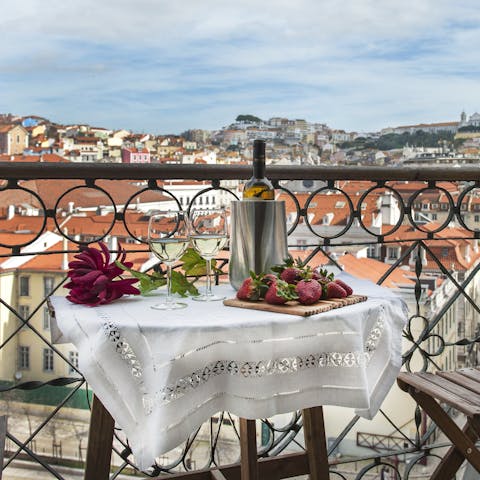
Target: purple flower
[{"x": 92, "y": 277}]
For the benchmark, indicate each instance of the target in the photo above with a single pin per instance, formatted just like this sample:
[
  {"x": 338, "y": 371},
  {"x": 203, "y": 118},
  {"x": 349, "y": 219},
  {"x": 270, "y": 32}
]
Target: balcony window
[
  {"x": 23, "y": 357},
  {"x": 46, "y": 318},
  {"x": 24, "y": 286},
  {"x": 48, "y": 285},
  {"x": 73, "y": 358},
  {"x": 47, "y": 360}
]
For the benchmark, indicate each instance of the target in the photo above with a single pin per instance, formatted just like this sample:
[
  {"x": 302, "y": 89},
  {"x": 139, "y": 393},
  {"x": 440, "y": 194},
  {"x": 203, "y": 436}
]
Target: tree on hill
[
  {"x": 469, "y": 128},
  {"x": 393, "y": 141},
  {"x": 248, "y": 118}
]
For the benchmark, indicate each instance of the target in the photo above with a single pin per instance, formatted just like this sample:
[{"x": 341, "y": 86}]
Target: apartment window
[
  {"x": 444, "y": 206},
  {"x": 24, "y": 311},
  {"x": 445, "y": 251},
  {"x": 47, "y": 360},
  {"x": 24, "y": 286},
  {"x": 392, "y": 253},
  {"x": 302, "y": 244},
  {"x": 23, "y": 357},
  {"x": 477, "y": 218},
  {"x": 73, "y": 357},
  {"x": 48, "y": 284},
  {"x": 434, "y": 216},
  {"x": 46, "y": 318}
]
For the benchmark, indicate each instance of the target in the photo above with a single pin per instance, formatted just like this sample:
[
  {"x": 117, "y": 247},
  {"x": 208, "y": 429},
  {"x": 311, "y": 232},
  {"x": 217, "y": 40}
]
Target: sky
[{"x": 161, "y": 66}]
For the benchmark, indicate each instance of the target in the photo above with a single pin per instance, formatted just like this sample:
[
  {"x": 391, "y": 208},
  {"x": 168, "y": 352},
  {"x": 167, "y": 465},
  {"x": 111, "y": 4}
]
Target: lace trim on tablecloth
[
  {"x": 247, "y": 369},
  {"x": 123, "y": 348},
  {"x": 262, "y": 368}
]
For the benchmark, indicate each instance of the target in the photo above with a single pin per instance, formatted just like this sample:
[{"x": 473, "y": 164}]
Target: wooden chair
[
  {"x": 313, "y": 461},
  {"x": 3, "y": 434},
  {"x": 460, "y": 390}
]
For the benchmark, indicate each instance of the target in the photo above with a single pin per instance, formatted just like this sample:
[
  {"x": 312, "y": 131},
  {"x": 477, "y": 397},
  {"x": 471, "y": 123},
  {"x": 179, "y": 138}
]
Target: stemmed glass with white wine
[
  {"x": 208, "y": 234},
  {"x": 168, "y": 239}
]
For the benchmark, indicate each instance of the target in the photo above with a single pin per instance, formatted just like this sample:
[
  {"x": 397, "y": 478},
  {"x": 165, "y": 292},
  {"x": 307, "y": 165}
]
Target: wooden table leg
[
  {"x": 315, "y": 443},
  {"x": 248, "y": 450},
  {"x": 3, "y": 435},
  {"x": 100, "y": 438},
  {"x": 217, "y": 475}
]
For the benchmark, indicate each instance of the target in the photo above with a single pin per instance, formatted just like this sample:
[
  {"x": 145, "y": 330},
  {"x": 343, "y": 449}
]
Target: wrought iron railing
[{"x": 426, "y": 223}]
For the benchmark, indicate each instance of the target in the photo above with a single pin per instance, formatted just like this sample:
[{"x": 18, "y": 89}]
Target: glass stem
[
  {"x": 209, "y": 281},
  {"x": 168, "y": 300}
]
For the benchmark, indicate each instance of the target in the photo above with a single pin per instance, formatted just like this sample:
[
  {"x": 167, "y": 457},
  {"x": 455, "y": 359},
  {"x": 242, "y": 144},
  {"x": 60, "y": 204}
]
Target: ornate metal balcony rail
[{"x": 431, "y": 227}]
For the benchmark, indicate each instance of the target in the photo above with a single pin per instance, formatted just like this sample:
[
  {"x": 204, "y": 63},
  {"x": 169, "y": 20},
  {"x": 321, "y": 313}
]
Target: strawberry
[
  {"x": 291, "y": 275},
  {"x": 321, "y": 275},
  {"x": 268, "y": 278},
  {"x": 251, "y": 288},
  {"x": 280, "y": 292},
  {"x": 346, "y": 287},
  {"x": 334, "y": 290},
  {"x": 308, "y": 291}
]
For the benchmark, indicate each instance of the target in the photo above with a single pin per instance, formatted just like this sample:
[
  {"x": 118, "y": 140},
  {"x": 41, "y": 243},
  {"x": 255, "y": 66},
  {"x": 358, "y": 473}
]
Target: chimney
[
  {"x": 113, "y": 244},
  {"x": 10, "y": 212},
  {"x": 65, "y": 254}
]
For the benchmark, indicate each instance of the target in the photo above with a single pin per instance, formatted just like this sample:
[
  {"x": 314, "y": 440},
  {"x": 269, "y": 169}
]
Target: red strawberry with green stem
[
  {"x": 280, "y": 292},
  {"x": 251, "y": 288}
]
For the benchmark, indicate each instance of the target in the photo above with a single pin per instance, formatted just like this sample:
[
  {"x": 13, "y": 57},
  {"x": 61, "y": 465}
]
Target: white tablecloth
[{"x": 161, "y": 374}]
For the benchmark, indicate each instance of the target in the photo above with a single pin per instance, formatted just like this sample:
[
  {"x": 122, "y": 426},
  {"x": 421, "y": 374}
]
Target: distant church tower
[{"x": 463, "y": 119}]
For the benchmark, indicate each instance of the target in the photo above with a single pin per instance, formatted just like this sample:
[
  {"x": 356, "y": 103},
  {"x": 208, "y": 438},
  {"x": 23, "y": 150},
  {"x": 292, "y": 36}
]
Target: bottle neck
[{"x": 259, "y": 167}]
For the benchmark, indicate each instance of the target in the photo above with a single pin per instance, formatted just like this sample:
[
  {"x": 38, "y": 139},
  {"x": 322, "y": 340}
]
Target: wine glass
[
  {"x": 208, "y": 234},
  {"x": 168, "y": 239}
]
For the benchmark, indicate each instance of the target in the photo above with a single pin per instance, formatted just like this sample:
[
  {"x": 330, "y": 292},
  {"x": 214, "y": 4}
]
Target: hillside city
[
  {"x": 84, "y": 215},
  {"x": 290, "y": 142}
]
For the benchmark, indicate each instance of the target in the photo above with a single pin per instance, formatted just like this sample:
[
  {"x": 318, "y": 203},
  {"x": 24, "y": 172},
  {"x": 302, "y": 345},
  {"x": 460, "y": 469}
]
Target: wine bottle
[{"x": 258, "y": 187}]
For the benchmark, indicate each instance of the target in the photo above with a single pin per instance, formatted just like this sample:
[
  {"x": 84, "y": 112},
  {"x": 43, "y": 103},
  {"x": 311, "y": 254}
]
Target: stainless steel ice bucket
[{"x": 258, "y": 238}]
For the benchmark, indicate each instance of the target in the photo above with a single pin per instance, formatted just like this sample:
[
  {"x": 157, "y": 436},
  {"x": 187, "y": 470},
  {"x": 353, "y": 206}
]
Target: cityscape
[
  {"x": 290, "y": 141},
  {"x": 376, "y": 231}
]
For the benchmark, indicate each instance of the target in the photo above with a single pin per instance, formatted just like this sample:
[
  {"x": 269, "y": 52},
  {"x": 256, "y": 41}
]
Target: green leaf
[
  {"x": 191, "y": 259},
  {"x": 148, "y": 285},
  {"x": 181, "y": 285},
  {"x": 148, "y": 281},
  {"x": 194, "y": 265}
]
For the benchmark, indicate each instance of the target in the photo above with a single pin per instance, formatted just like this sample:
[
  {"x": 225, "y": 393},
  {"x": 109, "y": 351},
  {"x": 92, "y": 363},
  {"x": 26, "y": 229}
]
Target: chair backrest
[{"x": 3, "y": 434}]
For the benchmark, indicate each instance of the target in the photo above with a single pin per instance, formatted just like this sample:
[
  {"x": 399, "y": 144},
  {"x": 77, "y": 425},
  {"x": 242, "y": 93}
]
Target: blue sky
[{"x": 164, "y": 67}]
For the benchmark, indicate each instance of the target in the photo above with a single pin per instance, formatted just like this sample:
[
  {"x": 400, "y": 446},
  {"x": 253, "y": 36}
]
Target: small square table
[{"x": 161, "y": 374}]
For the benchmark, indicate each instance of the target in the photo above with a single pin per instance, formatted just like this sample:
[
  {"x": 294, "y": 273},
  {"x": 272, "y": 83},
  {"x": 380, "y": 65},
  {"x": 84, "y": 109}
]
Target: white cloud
[{"x": 153, "y": 64}]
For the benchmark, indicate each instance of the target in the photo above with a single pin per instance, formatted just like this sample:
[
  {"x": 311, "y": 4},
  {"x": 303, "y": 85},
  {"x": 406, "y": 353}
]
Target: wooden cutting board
[{"x": 295, "y": 308}]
